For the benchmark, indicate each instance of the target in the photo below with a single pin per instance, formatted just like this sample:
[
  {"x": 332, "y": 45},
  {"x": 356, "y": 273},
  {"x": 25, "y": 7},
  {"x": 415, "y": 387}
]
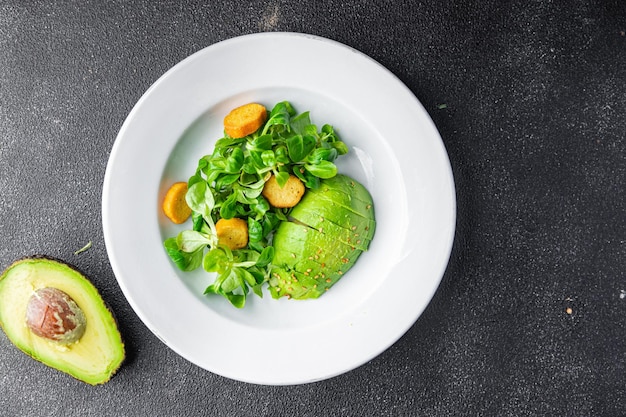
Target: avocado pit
[{"x": 52, "y": 314}]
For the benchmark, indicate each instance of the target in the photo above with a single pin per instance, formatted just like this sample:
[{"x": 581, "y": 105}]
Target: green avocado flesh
[
  {"x": 96, "y": 355},
  {"x": 347, "y": 185},
  {"x": 328, "y": 230}
]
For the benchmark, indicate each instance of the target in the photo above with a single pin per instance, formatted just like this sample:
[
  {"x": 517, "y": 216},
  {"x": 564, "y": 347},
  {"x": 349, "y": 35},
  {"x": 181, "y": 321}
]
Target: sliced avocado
[
  {"x": 293, "y": 284},
  {"x": 325, "y": 274},
  {"x": 308, "y": 278},
  {"x": 28, "y": 289},
  {"x": 325, "y": 267},
  {"x": 357, "y": 235},
  {"x": 314, "y": 260},
  {"x": 364, "y": 227},
  {"x": 303, "y": 268},
  {"x": 312, "y": 252},
  {"x": 291, "y": 254},
  {"x": 291, "y": 237},
  {"x": 343, "y": 200},
  {"x": 299, "y": 285},
  {"x": 348, "y": 186}
]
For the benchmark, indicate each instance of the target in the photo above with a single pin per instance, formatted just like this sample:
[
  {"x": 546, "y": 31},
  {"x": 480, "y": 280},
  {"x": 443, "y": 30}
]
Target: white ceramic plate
[{"x": 395, "y": 151}]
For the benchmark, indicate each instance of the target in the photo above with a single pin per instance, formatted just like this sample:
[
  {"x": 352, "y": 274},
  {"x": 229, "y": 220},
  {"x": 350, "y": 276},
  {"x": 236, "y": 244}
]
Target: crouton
[
  {"x": 245, "y": 120},
  {"x": 232, "y": 232},
  {"x": 174, "y": 205},
  {"x": 286, "y": 196}
]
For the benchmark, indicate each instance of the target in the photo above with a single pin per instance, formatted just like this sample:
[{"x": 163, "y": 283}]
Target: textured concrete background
[{"x": 535, "y": 126}]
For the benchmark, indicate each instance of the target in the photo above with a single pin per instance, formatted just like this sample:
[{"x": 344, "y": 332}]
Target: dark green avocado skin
[{"x": 328, "y": 230}]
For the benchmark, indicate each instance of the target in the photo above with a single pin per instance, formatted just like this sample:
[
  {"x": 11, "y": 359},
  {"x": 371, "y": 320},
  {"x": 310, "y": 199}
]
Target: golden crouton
[
  {"x": 174, "y": 205},
  {"x": 283, "y": 197},
  {"x": 232, "y": 232},
  {"x": 245, "y": 120}
]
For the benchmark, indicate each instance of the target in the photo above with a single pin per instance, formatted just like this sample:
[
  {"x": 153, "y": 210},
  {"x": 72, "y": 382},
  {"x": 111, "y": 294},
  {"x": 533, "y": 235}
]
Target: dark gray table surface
[{"x": 534, "y": 123}]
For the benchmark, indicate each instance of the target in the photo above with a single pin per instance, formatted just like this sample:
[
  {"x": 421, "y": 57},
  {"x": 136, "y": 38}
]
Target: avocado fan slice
[
  {"x": 357, "y": 233},
  {"x": 357, "y": 224},
  {"x": 99, "y": 352},
  {"x": 342, "y": 201},
  {"x": 345, "y": 184},
  {"x": 303, "y": 268},
  {"x": 299, "y": 273},
  {"x": 301, "y": 247},
  {"x": 328, "y": 231}
]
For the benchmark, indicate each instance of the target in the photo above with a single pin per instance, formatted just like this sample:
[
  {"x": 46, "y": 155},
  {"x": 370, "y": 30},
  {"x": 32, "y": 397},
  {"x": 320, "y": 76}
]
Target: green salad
[{"x": 298, "y": 252}]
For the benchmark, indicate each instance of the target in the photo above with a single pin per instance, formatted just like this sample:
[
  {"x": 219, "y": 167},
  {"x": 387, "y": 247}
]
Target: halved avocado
[{"x": 94, "y": 354}]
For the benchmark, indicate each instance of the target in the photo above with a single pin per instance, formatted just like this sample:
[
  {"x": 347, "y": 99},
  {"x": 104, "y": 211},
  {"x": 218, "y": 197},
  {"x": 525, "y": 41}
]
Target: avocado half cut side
[{"x": 97, "y": 353}]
